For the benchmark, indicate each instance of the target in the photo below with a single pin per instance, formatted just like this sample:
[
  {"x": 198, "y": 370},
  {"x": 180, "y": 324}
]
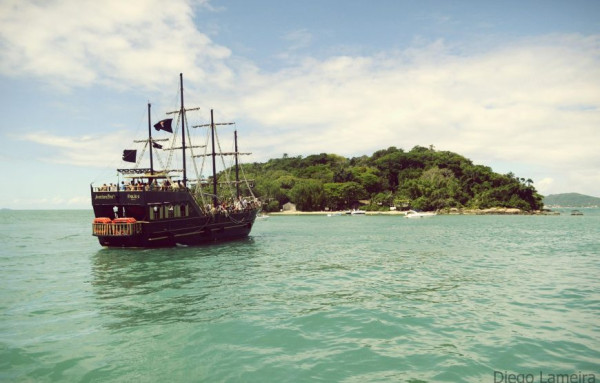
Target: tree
[
  {"x": 435, "y": 189},
  {"x": 334, "y": 196},
  {"x": 341, "y": 196},
  {"x": 368, "y": 177},
  {"x": 308, "y": 195},
  {"x": 321, "y": 172}
]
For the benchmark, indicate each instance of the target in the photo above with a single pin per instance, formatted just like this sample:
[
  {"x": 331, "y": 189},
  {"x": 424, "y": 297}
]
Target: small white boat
[
  {"x": 262, "y": 216},
  {"x": 419, "y": 214},
  {"x": 356, "y": 212}
]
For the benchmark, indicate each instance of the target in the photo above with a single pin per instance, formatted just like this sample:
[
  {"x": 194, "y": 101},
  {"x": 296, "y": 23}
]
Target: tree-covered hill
[
  {"x": 571, "y": 200},
  {"x": 422, "y": 178}
]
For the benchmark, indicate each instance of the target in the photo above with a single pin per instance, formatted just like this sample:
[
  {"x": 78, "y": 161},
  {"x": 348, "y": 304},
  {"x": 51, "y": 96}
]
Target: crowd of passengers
[
  {"x": 165, "y": 185},
  {"x": 231, "y": 206}
]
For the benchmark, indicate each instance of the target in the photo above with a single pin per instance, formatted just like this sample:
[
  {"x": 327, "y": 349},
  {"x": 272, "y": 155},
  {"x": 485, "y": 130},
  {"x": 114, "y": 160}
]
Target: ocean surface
[{"x": 305, "y": 298}]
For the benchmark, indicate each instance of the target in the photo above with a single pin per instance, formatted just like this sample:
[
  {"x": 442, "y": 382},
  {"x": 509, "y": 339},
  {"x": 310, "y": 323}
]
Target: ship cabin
[{"x": 143, "y": 196}]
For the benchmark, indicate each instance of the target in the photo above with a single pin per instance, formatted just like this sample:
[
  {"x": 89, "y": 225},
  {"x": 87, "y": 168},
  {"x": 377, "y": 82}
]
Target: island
[{"x": 422, "y": 178}]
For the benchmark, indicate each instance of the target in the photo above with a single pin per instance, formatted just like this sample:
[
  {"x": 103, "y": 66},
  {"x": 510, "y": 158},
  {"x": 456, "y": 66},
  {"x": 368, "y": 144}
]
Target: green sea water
[{"x": 332, "y": 299}]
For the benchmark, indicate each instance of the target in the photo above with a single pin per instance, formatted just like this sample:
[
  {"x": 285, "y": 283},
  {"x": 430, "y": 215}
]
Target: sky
[{"x": 513, "y": 85}]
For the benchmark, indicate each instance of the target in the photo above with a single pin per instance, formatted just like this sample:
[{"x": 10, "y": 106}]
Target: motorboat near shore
[
  {"x": 356, "y": 212},
  {"x": 419, "y": 214}
]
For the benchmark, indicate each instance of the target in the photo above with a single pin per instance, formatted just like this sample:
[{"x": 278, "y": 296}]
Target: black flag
[
  {"x": 129, "y": 155},
  {"x": 164, "y": 125},
  {"x": 155, "y": 145}
]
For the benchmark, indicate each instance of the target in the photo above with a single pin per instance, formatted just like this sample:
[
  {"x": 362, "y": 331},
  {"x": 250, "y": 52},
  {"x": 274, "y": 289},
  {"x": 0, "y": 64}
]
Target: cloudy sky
[{"x": 514, "y": 85}]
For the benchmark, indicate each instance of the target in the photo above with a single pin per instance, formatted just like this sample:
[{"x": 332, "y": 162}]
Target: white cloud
[
  {"x": 535, "y": 102},
  {"x": 544, "y": 184},
  {"x": 78, "y": 43},
  {"x": 89, "y": 151}
]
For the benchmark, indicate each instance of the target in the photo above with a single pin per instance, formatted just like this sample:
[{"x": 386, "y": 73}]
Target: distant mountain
[{"x": 571, "y": 200}]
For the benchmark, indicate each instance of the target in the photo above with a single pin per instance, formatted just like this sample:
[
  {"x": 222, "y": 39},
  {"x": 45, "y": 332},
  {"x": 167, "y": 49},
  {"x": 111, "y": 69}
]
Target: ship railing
[
  {"x": 116, "y": 229},
  {"x": 108, "y": 189}
]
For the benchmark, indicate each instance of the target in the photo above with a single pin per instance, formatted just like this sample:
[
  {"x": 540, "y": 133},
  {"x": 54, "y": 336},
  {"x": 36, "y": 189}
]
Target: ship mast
[
  {"x": 237, "y": 170},
  {"x": 150, "y": 141},
  {"x": 214, "y": 165},
  {"x": 183, "y": 132}
]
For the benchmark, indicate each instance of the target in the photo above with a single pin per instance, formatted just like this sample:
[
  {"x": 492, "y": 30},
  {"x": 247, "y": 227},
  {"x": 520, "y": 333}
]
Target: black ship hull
[{"x": 151, "y": 219}]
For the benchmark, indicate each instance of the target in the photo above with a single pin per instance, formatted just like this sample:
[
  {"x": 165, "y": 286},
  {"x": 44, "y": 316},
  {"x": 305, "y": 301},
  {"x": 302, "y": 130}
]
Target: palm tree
[{"x": 529, "y": 181}]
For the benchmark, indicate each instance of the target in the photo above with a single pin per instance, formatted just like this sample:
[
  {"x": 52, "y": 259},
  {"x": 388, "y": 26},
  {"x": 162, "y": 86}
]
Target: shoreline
[
  {"x": 297, "y": 212},
  {"x": 453, "y": 211}
]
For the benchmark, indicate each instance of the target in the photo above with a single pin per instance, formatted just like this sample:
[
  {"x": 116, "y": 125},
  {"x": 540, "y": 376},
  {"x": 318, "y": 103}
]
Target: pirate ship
[{"x": 162, "y": 207}]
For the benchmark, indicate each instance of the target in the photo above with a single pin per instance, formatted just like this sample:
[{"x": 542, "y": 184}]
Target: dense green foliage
[
  {"x": 571, "y": 200},
  {"x": 422, "y": 178}
]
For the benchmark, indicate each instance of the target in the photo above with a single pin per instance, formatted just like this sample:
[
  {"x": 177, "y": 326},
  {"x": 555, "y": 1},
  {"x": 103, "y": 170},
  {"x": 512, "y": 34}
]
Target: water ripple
[{"x": 305, "y": 299}]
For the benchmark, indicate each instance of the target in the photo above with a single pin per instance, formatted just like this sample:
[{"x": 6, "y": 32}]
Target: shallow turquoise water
[{"x": 353, "y": 299}]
